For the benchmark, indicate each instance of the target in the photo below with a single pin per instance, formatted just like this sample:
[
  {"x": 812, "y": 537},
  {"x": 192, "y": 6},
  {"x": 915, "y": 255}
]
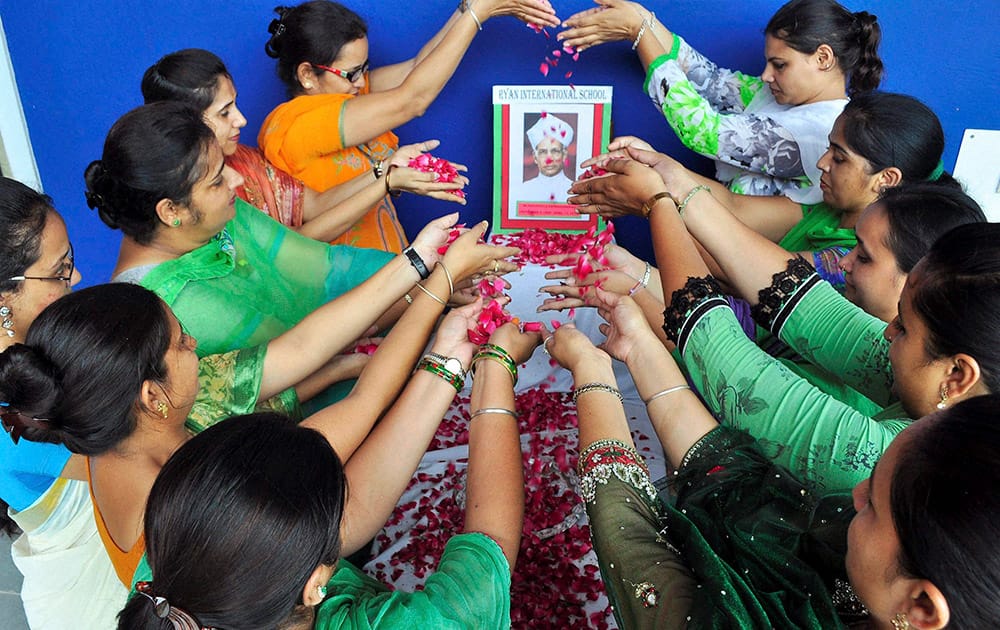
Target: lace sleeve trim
[
  {"x": 777, "y": 301},
  {"x": 688, "y": 304},
  {"x": 605, "y": 459}
]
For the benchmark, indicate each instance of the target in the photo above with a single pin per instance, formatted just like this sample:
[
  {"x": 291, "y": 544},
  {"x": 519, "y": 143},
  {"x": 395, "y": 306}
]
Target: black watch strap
[{"x": 417, "y": 262}]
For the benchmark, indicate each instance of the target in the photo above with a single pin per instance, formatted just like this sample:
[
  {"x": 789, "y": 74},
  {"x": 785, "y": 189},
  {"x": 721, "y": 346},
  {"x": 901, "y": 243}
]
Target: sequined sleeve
[{"x": 646, "y": 579}]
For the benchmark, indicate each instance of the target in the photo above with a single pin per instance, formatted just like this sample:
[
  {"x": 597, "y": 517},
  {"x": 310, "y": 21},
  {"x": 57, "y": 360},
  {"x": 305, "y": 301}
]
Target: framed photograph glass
[{"x": 541, "y": 134}]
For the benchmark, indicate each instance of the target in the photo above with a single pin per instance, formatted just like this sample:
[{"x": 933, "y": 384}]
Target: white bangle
[
  {"x": 669, "y": 390},
  {"x": 646, "y": 23}
]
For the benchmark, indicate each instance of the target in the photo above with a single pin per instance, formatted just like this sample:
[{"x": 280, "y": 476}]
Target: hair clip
[
  {"x": 162, "y": 609},
  {"x": 94, "y": 200},
  {"x": 276, "y": 28},
  {"x": 14, "y": 422}
]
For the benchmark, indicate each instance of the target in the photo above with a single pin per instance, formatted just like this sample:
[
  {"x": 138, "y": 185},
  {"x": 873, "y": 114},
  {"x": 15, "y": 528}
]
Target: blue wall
[{"x": 78, "y": 66}]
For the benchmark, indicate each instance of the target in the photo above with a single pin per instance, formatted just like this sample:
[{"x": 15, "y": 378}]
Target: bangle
[
  {"x": 694, "y": 191},
  {"x": 598, "y": 387},
  {"x": 417, "y": 262},
  {"x": 497, "y": 410},
  {"x": 455, "y": 380},
  {"x": 646, "y": 23},
  {"x": 431, "y": 295},
  {"x": 451, "y": 283},
  {"x": 475, "y": 17},
  {"x": 641, "y": 284},
  {"x": 669, "y": 390},
  {"x": 388, "y": 187},
  {"x": 498, "y": 354},
  {"x": 647, "y": 207}
]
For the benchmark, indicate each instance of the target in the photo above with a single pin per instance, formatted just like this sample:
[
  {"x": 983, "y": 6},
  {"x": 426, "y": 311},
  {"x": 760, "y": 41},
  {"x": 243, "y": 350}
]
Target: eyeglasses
[
  {"x": 351, "y": 75},
  {"x": 68, "y": 278}
]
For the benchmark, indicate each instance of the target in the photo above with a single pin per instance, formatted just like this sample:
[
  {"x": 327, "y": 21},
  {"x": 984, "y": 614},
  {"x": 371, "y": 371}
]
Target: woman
[
  {"x": 340, "y": 119},
  {"x": 893, "y": 234},
  {"x": 831, "y": 445},
  {"x": 123, "y": 388},
  {"x": 232, "y": 275},
  {"x": 296, "y": 579},
  {"x": 200, "y": 79},
  {"x": 880, "y": 140},
  {"x": 765, "y": 133},
  {"x": 746, "y": 544}
]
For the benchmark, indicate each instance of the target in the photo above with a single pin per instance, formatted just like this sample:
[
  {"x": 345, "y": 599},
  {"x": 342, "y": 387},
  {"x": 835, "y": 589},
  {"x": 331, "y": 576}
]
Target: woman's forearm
[
  {"x": 339, "y": 218},
  {"x": 310, "y": 344},
  {"x": 495, "y": 489},
  {"x": 316, "y": 202}
]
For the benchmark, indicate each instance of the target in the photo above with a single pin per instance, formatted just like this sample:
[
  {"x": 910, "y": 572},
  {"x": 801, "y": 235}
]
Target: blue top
[{"x": 28, "y": 469}]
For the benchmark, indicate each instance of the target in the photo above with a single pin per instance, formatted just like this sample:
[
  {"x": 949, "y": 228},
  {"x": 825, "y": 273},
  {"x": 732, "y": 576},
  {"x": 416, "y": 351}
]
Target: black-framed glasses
[
  {"x": 351, "y": 75},
  {"x": 68, "y": 278}
]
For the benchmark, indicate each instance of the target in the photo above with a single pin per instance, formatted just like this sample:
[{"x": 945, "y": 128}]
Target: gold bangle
[
  {"x": 647, "y": 207},
  {"x": 388, "y": 187},
  {"x": 431, "y": 295},
  {"x": 451, "y": 283},
  {"x": 694, "y": 191}
]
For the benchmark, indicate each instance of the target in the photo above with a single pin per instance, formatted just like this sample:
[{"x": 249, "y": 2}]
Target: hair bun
[
  {"x": 29, "y": 389},
  {"x": 865, "y": 20},
  {"x": 276, "y": 28}
]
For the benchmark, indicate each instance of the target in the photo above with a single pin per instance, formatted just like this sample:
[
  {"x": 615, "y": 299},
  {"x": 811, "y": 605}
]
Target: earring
[
  {"x": 162, "y": 408},
  {"x": 900, "y": 622},
  {"x": 944, "y": 397},
  {"x": 177, "y": 223},
  {"x": 321, "y": 589},
  {"x": 8, "y": 323}
]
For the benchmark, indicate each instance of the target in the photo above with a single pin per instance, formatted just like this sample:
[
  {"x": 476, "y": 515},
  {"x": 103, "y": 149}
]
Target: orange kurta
[{"x": 304, "y": 137}]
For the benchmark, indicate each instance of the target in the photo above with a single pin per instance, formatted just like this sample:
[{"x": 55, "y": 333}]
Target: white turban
[{"x": 548, "y": 126}]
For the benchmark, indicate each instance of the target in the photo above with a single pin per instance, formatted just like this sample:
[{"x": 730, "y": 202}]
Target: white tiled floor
[{"x": 11, "y": 611}]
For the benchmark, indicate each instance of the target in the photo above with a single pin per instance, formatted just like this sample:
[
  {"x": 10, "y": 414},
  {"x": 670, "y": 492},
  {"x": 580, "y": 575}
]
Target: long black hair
[
  {"x": 152, "y": 153},
  {"x": 238, "y": 520},
  {"x": 23, "y": 213},
  {"x": 944, "y": 505},
  {"x": 804, "y": 25}
]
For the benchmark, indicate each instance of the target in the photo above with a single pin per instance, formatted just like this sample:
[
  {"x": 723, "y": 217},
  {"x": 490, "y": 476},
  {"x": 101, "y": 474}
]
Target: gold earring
[
  {"x": 900, "y": 622},
  {"x": 162, "y": 408},
  {"x": 944, "y": 397}
]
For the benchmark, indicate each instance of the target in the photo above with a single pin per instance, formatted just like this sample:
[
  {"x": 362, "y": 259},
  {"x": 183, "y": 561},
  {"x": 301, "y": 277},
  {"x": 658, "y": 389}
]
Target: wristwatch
[
  {"x": 417, "y": 262},
  {"x": 450, "y": 364}
]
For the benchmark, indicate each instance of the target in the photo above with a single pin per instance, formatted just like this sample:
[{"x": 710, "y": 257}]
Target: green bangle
[
  {"x": 498, "y": 354},
  {"x": 494, "y": 357},
  {"x": 455, "y": 380}
]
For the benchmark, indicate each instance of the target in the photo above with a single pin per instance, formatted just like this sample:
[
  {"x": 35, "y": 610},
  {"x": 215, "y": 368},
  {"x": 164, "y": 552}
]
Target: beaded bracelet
[
  {"x": 669, "y": 390},
  {"x": 497, "y": 410},
  {"x": 598, "y": 387},
  {"x": 641, "y": 284},
  {"x": 694, "y": 191},
  {"x": 455, "y": 380}
]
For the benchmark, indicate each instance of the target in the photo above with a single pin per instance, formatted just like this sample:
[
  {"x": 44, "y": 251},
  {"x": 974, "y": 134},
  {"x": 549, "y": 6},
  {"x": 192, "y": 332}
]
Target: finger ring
[
  {"x": 545, "y": 345},
  {"x": 496, "y": 266},
  {"x": 598, "y": 206}
]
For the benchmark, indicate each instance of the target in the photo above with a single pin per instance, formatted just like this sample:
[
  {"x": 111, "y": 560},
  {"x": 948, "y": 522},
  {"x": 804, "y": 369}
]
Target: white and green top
[{"x": 760, "y": 147}]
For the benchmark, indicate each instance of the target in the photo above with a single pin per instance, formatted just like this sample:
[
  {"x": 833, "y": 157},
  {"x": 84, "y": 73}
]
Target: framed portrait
[{"x": 541, "y": 135}]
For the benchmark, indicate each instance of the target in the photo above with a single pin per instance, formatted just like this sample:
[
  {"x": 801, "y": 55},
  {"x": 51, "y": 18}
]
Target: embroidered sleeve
[
  {"x": 688, "y": 304},
  {"x": 787, "y": 287},
  {"x": 605, "y": 459}
]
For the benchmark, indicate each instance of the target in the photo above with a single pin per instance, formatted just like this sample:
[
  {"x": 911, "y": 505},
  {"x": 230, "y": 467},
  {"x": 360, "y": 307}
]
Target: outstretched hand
[
  {"x": 467, "y": 256},
  {"x": 626, "y": 328},
  {"x": 628, "y": 184},
  {"x": 610, "y": 21},
  {"x": 520, "y": 345},
  {"x": 538, "y": 12},
  {"x": 570, "y": 347}
]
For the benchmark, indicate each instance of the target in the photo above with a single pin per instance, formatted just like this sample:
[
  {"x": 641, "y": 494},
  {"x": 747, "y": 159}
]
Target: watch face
[{"x": 453, "y": 365}]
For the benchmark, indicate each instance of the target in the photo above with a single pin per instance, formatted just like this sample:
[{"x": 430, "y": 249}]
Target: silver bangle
[
  {"x": 489, "y": 410},
  {"x": 694, "y": 191},
  {"x": 643, "y": 283},
  {"x": 669, "y": 390},
  {"x": 598, "y": 387},
  {"x": 646, "y": 23},
  {"x": 475, "y": 17}
]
